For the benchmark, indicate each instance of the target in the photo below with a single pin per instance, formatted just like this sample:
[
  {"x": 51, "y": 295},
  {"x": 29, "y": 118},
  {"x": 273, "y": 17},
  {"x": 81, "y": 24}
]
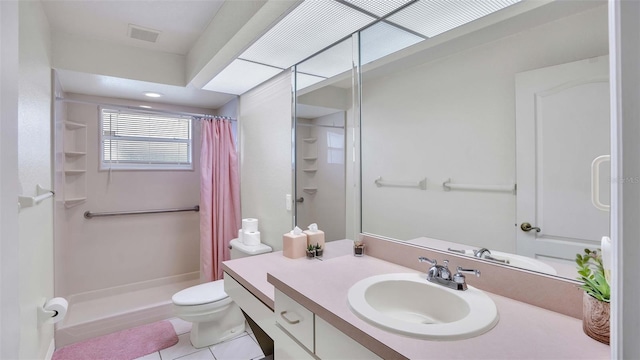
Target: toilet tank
[{"x": 240, "y": 250}]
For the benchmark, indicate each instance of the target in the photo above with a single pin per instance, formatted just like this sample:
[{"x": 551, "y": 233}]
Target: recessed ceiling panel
[
  {"x": 333, "y": 61},
  {"x": 383, "y": 39},
  {"x": 312, "y": 26},
  {"x": 378, "y": 7},
  {"x": 434, "y": 17},
  {"x": 241, "y": 76},
  {"x": 109, "y": 86}
]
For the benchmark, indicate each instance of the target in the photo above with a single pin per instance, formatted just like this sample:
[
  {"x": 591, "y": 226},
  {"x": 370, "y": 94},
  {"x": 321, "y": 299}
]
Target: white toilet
[{"x": 214, "y": 315}]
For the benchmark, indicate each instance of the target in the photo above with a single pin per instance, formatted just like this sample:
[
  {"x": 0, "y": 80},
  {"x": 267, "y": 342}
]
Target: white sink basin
[{"x": 410, "y": 305}]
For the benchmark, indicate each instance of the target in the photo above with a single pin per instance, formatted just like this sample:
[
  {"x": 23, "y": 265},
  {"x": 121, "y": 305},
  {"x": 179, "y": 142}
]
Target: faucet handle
[
  {"x": 445, "y": 273},
  {"x": 461, "y": 280},
  {"x": 427, "y": 260},
  {"x": 468, "y": 271}
]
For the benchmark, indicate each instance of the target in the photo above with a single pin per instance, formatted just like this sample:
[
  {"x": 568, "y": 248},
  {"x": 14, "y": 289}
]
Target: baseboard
[{"x": 52, "y": 348}]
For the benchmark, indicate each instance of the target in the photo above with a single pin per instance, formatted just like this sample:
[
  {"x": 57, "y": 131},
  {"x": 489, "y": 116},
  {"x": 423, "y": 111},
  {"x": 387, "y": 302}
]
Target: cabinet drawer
[{"x": 295, "y": 319}]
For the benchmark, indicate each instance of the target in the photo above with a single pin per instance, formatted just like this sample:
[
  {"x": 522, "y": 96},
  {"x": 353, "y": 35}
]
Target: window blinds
[{"x": 145, "y": 140}]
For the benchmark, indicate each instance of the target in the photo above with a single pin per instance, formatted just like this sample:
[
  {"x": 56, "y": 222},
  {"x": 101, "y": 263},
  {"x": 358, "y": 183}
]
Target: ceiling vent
[{"x": 144, "y": 34}]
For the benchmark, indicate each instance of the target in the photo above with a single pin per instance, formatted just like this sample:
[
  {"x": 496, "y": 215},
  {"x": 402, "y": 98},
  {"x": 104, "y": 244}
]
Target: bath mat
[{"x": 122, "y": 345}]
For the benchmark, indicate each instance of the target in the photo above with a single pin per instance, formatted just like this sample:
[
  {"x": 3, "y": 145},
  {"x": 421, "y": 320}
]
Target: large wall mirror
[
  {"x": 490, "y": 145},
  {"x": 321, "y": 111},
  {"x": 473, "y": 135}
]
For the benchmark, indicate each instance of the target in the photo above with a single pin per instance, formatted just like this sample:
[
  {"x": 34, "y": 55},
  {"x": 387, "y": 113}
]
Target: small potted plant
[
  {"x": 319, "y": 250},
  {"x": 311, "y": 251},
  {"x": 358, "y": 248},
  {"x": 597, "y": 295}
]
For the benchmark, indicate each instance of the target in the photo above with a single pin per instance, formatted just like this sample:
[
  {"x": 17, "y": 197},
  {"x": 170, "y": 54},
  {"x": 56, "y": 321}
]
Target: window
[
  {"x": 335, "y": 148},
  {"x": 144, "y": 141}
]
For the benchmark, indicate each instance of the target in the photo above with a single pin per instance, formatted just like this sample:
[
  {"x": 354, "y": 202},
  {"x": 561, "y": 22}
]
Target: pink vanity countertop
[{"x": 523, "y": 332}]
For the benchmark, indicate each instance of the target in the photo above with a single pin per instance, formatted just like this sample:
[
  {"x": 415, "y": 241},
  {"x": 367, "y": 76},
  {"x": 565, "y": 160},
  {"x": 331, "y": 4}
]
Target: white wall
[
  {"x": 104, "y": 58},
  {"x": 34, "y": 160},
  {"x": 266, "y": 157},
  {"x": 455, "y": 118},
  {"x": 9, "y": 247},
  {"x": 327, "y": 206},
  {"x": 230, "y": 109},
  {"x": 105, "y": 252},
  {"x": 625, "y": 169}
]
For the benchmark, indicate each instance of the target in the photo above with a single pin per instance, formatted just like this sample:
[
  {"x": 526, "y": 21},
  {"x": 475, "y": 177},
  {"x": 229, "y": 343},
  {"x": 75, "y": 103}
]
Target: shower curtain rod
[
  {"x": 320, "y": 125},
  {"x": 197, "y": 116}
]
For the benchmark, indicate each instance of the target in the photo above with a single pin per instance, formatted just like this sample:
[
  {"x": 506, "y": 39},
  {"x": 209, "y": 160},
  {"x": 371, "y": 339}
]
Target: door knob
[
  {"x": 527, "y": 227},
  {"x": 300, "y": 199}
]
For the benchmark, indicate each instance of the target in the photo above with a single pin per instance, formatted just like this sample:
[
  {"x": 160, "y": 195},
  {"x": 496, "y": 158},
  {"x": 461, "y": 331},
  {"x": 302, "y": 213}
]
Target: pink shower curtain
[{"x": 219, "y": 196}]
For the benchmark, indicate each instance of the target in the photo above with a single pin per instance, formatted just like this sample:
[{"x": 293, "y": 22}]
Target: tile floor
[{"x": 243, "y": 347}]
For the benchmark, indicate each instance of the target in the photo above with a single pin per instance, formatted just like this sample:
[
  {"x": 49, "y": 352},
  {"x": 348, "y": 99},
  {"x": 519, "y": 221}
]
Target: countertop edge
[{"x": 247, "y": 285}]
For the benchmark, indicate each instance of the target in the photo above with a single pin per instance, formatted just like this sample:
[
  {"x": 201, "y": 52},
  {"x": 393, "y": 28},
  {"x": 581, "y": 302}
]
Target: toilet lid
[{"x": 201, "y": 294}]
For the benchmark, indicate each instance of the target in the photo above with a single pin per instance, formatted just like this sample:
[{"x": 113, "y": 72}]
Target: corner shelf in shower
[
  {"x": 310, "y": 170},
  {"x": 70, "y": 125},
  {"x": 75, "y": 172},
  {"x": 73, "y": 202},
  {"x": 309, "y": 140},
  {"x": 310, "y": 158},
  {"x": 73, "y": 138},
  {"x": 310, "y": 190},
  {"x": 75, "y": 153}
]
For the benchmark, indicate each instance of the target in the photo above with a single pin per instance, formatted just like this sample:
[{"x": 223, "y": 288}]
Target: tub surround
[
  {"x": 524, "y": 331},
  {"x": 96, "y": 313}
]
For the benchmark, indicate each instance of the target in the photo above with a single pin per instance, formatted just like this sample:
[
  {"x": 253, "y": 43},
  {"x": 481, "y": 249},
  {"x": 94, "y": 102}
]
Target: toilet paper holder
[{"x": 52, "y": 311}]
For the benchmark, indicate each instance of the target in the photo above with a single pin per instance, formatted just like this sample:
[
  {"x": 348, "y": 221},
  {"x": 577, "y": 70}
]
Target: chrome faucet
[
  {"x": 461, "y": 280},
  {"x": 484, "y": 253},
  {"x": 481, "y": 252},
  {"x": 440, "y": 274}
]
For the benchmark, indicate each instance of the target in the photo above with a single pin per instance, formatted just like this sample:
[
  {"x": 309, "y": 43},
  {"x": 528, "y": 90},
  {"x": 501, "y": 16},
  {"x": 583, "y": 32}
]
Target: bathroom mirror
[
  {"x": 485, "y": 137},
  {"x": 320, "y": 117}
]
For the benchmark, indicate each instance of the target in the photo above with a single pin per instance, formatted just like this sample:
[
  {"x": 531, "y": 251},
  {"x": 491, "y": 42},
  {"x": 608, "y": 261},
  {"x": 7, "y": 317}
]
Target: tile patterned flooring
[{"x": 242, "y": 347}]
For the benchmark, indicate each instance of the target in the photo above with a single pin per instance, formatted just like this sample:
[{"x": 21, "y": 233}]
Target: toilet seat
[{"x": 201, "y": 294}]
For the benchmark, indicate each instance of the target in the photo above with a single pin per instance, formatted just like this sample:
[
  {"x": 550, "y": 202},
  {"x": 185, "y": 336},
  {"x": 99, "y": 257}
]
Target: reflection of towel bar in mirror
[
  {"x": 447, "y": 186},
  {"x": 41, "y": 194},
  {"x": 422, "y": 184}
]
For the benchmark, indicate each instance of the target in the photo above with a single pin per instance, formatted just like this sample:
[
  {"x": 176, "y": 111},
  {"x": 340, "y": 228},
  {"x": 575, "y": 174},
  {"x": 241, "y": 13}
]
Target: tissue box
[
  {"x": 315, "y": 237},
  {"x": 294, "y": 246}
]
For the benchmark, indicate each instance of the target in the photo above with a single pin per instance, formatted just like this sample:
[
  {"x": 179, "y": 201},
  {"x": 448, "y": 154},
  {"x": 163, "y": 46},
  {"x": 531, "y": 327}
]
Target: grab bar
[
  {"x": 41, "y": 194},
  {"x": 89, "y": 214},
  {"x": 447, "y": 186},
  {"x": 422, "y": 184}
]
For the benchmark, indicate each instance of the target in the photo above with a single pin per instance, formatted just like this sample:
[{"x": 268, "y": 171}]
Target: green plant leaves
[{"x": 591, "y": 273}]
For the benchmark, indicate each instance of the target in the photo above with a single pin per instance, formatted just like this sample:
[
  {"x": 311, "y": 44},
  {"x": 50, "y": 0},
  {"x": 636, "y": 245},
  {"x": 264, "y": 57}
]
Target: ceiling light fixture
[{"x": 152, "y": 94}]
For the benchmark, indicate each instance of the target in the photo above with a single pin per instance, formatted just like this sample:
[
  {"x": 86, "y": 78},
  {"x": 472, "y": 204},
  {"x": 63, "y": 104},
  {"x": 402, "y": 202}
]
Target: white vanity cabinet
[
  {"x": 331, "y": 343},
  {"x": 314, "y": 333},
  {"x": 285, "y": 348},
  {"x": 295, "y": 319}
]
